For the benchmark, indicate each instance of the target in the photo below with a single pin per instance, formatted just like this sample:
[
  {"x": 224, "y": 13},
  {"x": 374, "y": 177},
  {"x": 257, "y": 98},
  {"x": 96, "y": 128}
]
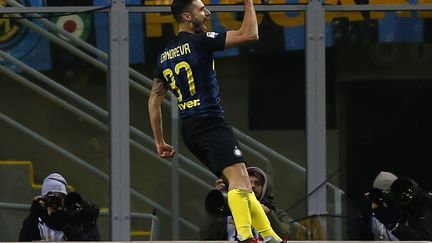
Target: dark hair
[
  {"x": 257, "y": 175},
  {"x": 178, "y": 7}
]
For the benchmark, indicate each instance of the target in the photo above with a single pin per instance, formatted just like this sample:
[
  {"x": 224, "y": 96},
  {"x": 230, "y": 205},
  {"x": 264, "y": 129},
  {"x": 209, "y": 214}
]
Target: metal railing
[
  {"x": 141, "y": 86},
  {"x": 154, "y": 228},
  {"x": 88, "y": 166}
]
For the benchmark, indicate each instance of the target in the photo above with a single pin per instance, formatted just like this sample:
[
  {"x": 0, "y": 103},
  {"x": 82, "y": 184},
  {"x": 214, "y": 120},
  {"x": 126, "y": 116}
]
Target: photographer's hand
[
  {"x": 220, "y": 185},
  {"x": 266, "y": 209},
  {"x": 37, "y": 208}
]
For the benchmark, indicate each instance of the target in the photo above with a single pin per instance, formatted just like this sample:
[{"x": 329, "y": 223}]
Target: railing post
[
  {"x": 338, "y": 211},
  {"x": 175, "y": 181},
  {"x": 154, "y": 228},
  {"x": 315, "y": 110},
  {"x": 119, "y": 121}
]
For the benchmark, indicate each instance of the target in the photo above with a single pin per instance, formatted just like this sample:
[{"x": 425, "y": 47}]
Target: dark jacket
[
  {"x": 86, "y": 232},
  {"x": 416, "y": 223},
  {"x": 215, "y": 227},
  {"x": 409, "y": 214},
  {"x": 73, "y": 230}
]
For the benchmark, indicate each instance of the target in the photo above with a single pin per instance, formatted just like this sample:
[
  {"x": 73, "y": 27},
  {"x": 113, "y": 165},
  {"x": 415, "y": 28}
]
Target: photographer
[
  {"x": 56, "y": 215},
  {"x": 377, "y": 211},
  {"x": 220, "y": 225}
]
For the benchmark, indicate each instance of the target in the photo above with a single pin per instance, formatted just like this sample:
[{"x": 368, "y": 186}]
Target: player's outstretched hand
[{"x": 165, "y": 150}]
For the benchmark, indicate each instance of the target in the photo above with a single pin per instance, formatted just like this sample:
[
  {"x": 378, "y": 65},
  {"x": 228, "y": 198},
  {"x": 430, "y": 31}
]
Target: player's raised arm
[
  {"x": 158, "y": 92},
  {"x": 248, "y": 32}
]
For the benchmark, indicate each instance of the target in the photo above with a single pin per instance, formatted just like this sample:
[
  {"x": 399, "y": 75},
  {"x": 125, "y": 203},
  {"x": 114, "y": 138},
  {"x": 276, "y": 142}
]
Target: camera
[
  {"x": 79, "y": 209},
  {"x": 379, "y": 197},
  {"x": 404, "y": 191},
  {"x": 216, "y": 203},
  {"x": 54, "y": 200},
  {"x": 73, "y": 203}
]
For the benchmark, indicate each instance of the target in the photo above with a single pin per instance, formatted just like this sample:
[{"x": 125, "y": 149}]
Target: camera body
[
  {"x": 80, "y": 210},
  {"x": 54, "y": 200},
  {"x": 380, "y": 197},
  {"x": 216, "y": 203}
]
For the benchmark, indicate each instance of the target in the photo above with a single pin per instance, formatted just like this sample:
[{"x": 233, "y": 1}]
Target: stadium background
[{"x": 377, "y": 85}]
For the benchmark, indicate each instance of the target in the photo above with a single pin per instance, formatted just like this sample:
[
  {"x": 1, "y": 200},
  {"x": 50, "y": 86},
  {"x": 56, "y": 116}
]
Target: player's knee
[{"x": 240, "y": 182}]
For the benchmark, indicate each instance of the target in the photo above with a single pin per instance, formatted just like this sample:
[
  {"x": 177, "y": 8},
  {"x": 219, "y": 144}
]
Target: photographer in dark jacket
[
  {"x": 376, "y": 209},
  {"x": 59, "y": 216},
  {"x": 416, "y": 208}
]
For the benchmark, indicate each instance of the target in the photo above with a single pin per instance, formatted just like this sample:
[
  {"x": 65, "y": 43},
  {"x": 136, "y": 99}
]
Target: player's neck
[{"x": 186, "y": 27}]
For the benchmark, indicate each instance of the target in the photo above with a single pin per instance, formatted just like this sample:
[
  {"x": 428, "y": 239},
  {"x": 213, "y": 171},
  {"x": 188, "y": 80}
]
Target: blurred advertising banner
[
  {"x": 150, "y": 32},
  {"x": 136, "y": 32},
  {"x": 285, "y": 30},
  {"x": 23, "y": 43}
]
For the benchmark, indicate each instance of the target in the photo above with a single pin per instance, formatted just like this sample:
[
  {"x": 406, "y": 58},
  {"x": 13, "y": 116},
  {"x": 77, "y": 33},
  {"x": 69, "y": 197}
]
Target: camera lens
[
  {"x": 73, "y": 203},
  {"x": 403, "y": 190},
  {"x": 54, "y": 200},
  {"x": 75, "y": 208},
  {"x": 216, "y": 203}
]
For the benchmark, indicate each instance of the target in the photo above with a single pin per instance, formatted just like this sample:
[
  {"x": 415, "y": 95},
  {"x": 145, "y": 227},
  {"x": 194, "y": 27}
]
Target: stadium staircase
[
  {"x": 18, "y": 176},
  {"x": 73, "y": 114}
]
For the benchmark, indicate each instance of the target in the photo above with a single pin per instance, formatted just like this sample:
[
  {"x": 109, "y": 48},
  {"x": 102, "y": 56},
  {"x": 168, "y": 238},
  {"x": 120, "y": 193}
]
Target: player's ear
[{"x": 187, "y": 16}]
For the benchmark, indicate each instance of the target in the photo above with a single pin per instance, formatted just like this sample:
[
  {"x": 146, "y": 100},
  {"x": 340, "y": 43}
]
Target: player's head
[
  {"x": 179, "y": 7},
  {"x": 192, "y": 13}
]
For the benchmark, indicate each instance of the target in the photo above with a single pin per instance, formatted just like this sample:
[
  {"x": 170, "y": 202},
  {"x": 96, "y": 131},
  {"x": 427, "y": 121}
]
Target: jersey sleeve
[
  {"x": 157, "y": 71},
  {"x": 211, "y": 41}
]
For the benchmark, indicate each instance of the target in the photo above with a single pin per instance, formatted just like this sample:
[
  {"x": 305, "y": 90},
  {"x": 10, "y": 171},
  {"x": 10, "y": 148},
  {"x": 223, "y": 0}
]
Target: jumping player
[{"x": 186, "y": 67}]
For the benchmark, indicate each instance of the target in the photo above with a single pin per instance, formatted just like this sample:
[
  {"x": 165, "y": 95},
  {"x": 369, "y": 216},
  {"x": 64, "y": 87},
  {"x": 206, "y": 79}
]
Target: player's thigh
[{"x": 220, "y": 148}]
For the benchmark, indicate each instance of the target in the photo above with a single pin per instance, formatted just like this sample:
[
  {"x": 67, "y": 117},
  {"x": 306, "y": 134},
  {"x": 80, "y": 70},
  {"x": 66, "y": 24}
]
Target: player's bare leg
[{"x": 239, "y": 188}]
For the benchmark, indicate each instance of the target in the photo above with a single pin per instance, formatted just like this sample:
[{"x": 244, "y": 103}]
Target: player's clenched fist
[{"x": 165, "y": 150}]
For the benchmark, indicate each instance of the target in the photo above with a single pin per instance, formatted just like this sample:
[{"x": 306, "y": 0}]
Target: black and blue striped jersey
[{"x": 186, "y": 64}]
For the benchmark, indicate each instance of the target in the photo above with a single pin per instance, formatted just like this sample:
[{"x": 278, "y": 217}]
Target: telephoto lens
[
  {"x": 216, "y": 203},
  {"x": 73, "y": 203},
  {"x": 404, "y": 190}
]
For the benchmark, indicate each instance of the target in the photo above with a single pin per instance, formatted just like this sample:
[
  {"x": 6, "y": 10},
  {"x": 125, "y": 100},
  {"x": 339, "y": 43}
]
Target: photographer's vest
[{"x": 48, "y": 234}]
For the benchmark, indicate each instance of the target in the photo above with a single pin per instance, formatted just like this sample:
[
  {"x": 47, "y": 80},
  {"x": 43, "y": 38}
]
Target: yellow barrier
[
  {"x": 70, "y": 188},
  {"x": 30, "y": 173},
  {"x": 312, "y": 227},
  {"x": 140, "y": 233}
]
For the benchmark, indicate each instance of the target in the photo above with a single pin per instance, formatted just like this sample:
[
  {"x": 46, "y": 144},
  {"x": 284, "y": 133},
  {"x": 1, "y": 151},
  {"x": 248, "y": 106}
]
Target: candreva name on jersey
[{"x": 175, "y": 52}]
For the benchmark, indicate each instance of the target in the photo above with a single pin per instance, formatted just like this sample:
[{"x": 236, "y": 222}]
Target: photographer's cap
[
  {"x": 384, "y": 180},
  {"x": 54, "y": 183}
]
